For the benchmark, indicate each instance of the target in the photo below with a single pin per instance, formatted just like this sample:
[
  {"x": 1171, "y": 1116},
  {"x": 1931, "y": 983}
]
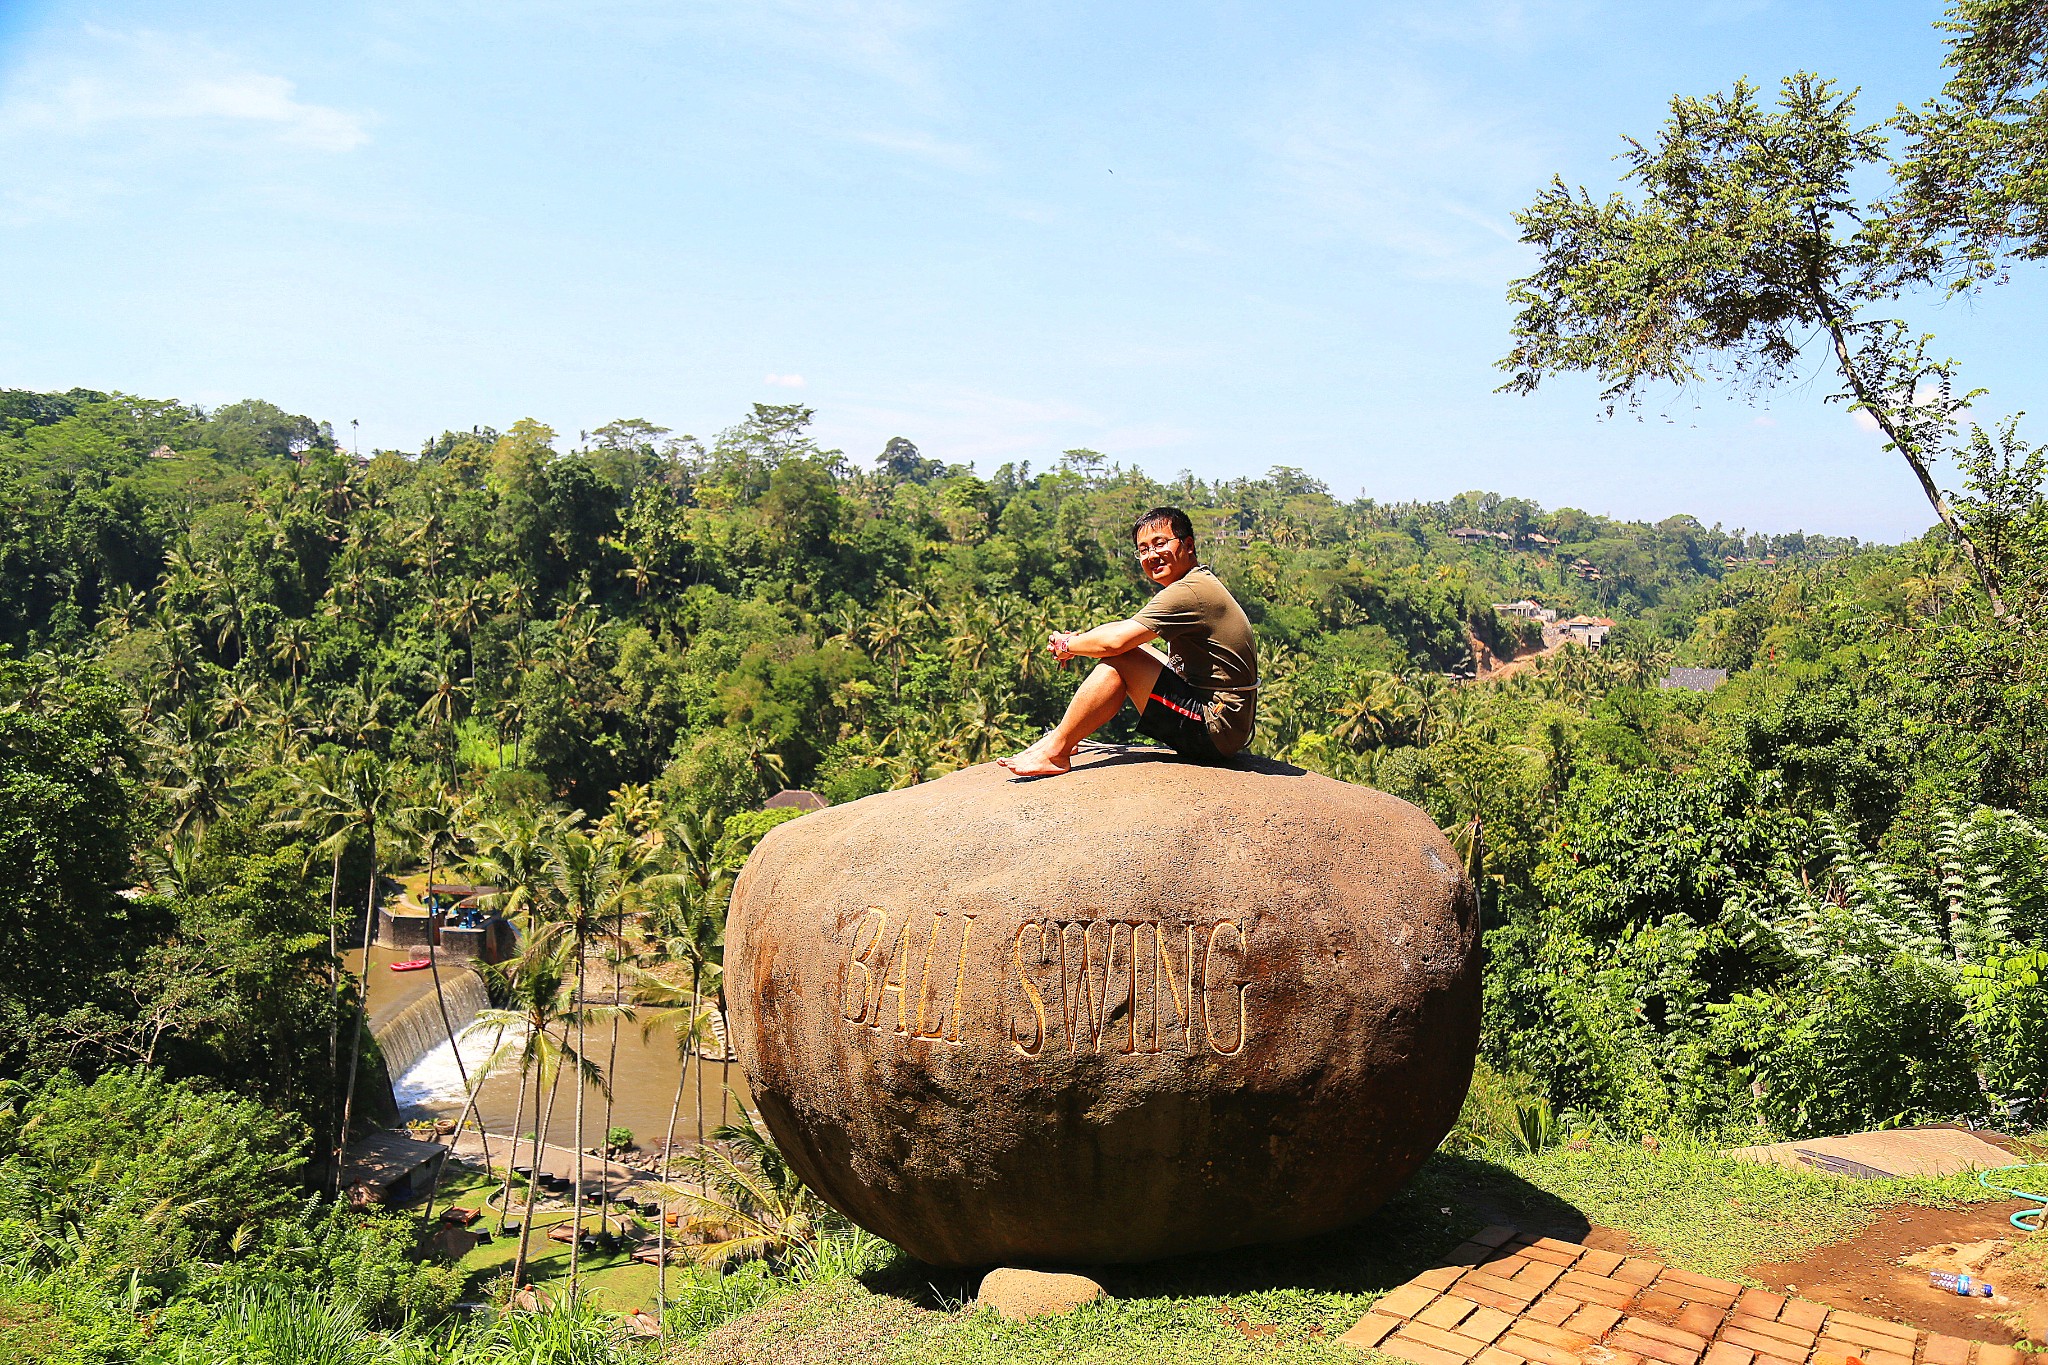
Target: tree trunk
[
  {"x": 668, "y": 1143},
  {"x": 512, "y": 1149},
  {"x": 611, "y": 1069},
  {"x": 334, "y": 1001},
  {"x": 724, "y": 1054},
  {"x": 697, "y": 1059},
  {"x": 576, "y": 1242},
  {"x": 448, "y": 1026},
  {"x": 355, "y": 1052},
  {"x": 1987, "y": 574},
  {"x": 540, "y": 1137}
]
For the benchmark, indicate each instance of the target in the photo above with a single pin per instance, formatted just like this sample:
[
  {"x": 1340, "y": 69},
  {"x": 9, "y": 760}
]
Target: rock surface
[
  {"x": 1145, "y": 1008},
  {"x": 1021, "y": 1295}
]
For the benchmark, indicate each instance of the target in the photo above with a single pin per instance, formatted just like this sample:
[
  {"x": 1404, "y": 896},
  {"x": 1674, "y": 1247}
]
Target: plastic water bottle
[{"x": 1959, "y": 1284}]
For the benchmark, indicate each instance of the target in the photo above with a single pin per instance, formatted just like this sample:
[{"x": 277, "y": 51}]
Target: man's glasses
[{"x": 1156, "y": 548}]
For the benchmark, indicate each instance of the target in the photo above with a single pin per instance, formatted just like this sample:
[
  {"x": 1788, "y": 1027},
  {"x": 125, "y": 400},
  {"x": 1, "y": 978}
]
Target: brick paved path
[{"x": 1504, "y": 1298}]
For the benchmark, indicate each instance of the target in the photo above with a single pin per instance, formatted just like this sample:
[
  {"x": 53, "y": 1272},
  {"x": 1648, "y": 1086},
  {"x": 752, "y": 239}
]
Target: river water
[{"x": 643, "y": 1074}]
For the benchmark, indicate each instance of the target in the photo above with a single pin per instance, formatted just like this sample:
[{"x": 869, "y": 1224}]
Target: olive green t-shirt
[{"x": 1209, "y": 641}]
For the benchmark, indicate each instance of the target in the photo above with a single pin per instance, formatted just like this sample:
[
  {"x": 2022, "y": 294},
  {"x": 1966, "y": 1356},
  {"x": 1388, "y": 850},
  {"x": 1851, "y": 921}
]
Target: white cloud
[
  {"x": 859, "y": 70},
  {"x": 873, "y": 37},
  {"x": 78, "y": 119},
  {"x": 1386, "y": 156},
  {"x": 949, "y": 155},
  {"x": 783, "y": 381}
]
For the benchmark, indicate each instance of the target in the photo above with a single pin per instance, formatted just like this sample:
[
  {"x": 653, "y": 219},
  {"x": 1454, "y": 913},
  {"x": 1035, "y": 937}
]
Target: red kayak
[{"x": 418, "y": 964}]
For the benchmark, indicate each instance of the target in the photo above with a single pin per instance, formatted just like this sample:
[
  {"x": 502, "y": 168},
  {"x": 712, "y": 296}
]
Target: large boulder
[{"x": 1145, "y": 1008}]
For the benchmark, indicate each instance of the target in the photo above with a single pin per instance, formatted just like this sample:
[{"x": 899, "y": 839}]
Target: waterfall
[{"x": 417, "y": 1029}]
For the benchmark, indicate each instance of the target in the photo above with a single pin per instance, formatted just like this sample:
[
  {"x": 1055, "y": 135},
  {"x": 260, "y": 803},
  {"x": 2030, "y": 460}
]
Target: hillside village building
[
  {"x": 1590, "y": 631},
  {"x": 1527, "y": 609}
]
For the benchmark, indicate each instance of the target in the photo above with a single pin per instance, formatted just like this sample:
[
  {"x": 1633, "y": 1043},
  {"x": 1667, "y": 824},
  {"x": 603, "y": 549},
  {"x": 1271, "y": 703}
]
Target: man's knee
[{"x": 1139, "y": 669}]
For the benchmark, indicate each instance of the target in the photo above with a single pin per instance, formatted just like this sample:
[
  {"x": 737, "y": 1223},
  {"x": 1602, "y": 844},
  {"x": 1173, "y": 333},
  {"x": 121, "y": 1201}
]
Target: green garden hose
[{"x": 2026, "y": 1220}]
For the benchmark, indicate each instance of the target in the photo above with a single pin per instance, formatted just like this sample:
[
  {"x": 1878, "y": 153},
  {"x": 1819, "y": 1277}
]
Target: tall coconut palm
[
  {"x": 686, "y": 1016},
  {"x": 753, "y": 1204},
  {"x": 292, "y": 646},
  {"x": 986, "y": 724},
  {"x": 446, "y": 703},
  {"x": 591, "y": 878},
  {"x": 318, "y": 815},
  {"x": 687, "y": 922},
  {"x": 538, "y": 1015},
  {"x": 197, "y": 774},
  {"x": 354, "y": 799},
  {"x": 636, "y": 814},
  {"x": 435, "y": 828}
]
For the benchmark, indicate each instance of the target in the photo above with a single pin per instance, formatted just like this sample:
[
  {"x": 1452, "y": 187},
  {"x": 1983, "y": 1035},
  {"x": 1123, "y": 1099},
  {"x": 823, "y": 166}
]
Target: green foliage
[
  {"x": 133, "y": 1174},
  {"x": 742, "y": 831},
  {"x": 1640, "y": 847},
  {"x": 1972, "y": 177},
  {"x": 1750, "y": 237},
  {"x": 368, "y": 1259},
  {"x": 67, "y": 832}
]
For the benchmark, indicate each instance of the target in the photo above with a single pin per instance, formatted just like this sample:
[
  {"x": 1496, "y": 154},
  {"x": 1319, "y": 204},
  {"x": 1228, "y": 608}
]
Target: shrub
[{"x": 133, "y": 1173}]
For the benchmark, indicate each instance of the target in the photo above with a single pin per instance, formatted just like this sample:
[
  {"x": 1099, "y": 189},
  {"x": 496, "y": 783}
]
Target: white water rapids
[{"x": 432, "y": 1086}]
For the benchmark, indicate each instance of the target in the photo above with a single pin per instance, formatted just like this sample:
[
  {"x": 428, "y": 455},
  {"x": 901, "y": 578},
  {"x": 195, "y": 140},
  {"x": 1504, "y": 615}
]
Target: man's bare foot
[{"x": 1036, "y": 761}]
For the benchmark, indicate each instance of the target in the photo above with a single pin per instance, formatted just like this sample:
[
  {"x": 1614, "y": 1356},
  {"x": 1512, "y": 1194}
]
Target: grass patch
[
  {"x": 28, "y": 1332},
  {"x": 1696, "y": 1207},
  {"x": 58, "y": 1321},
  {"x": 615, "y": 1281},
  {"x": 1701, "y": 1209}
]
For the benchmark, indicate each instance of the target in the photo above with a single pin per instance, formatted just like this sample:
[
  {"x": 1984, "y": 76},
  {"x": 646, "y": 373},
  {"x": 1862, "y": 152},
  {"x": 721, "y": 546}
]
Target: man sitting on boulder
[{"x": 1198, "y": 697}]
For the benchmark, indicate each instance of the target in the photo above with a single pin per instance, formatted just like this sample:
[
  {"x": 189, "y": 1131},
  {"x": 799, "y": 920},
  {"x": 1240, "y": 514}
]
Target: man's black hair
[{"x": 1175, "y": 519}]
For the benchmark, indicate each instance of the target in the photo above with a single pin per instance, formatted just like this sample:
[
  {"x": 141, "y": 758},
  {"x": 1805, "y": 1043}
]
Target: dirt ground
[{"x": 1883, "y": 1271}]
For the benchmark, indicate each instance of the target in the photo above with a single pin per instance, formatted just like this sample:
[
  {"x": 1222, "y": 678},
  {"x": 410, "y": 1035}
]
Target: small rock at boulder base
[
  {"x": 1145, "y": 1008},
  {"x": 1021, "y": 1295}
]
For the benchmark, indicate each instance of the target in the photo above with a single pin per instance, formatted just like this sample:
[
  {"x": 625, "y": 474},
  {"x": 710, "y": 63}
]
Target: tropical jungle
[{"x": 1759, "y": 819}]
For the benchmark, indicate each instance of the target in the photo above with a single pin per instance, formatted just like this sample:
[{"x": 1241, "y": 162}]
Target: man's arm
[{"x": 1118, "y": 637}]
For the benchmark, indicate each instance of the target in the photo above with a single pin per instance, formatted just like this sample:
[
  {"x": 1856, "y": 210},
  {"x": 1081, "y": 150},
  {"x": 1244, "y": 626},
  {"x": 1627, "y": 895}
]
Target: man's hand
[{"x": 1099, "y": 643}]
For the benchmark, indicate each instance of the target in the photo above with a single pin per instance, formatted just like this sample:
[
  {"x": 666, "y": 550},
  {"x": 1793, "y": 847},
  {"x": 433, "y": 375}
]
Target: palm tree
[
  {"x": 912, "y": 754},
  {"x": 1380, "y": 712},
  {"x": 591, "y": 879},
  {"x": 237, "y": 702},
  {"x": 1645, "y": 658},
  {"x": 768, "y": 764},
  {"x": 121, "y": 611},
  {"x": 353, "y": 799},
  {"x": 316, "y": 814},
  {"x": 511, "y": 854},
  {"x": 986, "y": 724},
  {"x": 753, "y": 1197},
  {"x": 228, "y": 614},
  {"x": 536, "y": 986},
  {"x": 1578, "y": 672},
  {"x": 889, "y": 633},
  {"x": 442, "y": 707},
  {"x": 976, "y": 637},
  {"x": 687, "y": 918},
  {"x": 292, "y": 646},
  {"x": 197, "y": 775},
  {"x": 690, "y": 1025},
  {"x": 435, "y": 826}
]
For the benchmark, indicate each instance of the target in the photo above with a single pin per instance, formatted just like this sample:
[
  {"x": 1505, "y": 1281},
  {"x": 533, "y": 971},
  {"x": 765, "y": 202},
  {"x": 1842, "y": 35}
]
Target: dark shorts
[{"x": 1178, "y": 715}]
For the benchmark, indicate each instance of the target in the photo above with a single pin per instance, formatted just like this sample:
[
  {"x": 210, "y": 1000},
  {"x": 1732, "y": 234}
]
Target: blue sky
[{"x": 1205, "y": 236}]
